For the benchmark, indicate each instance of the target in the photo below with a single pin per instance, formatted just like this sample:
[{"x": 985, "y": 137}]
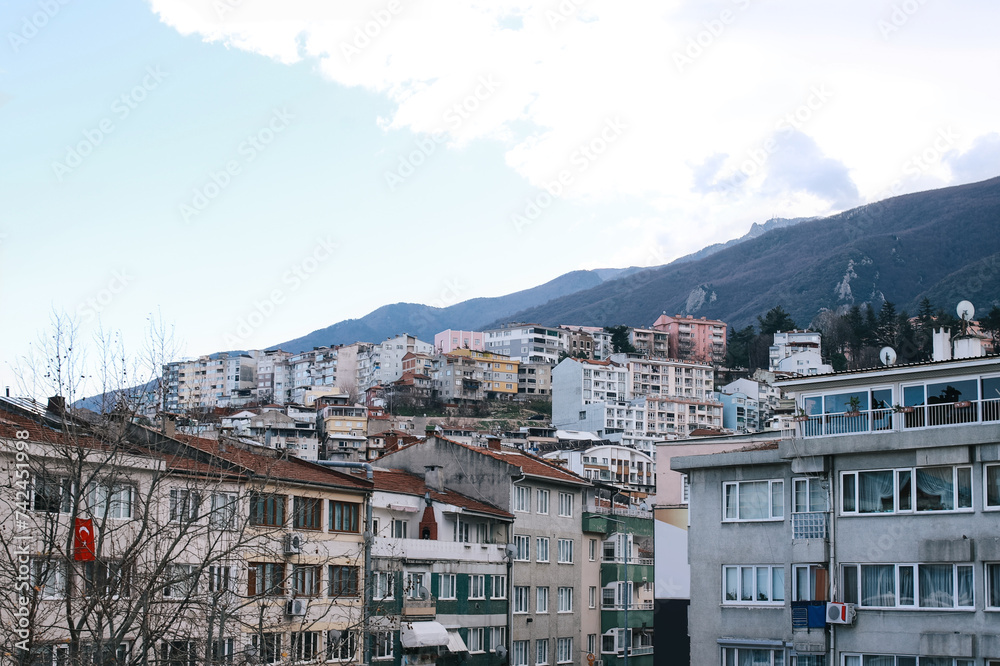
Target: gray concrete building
[
  {"x": 867, "y": 538},
  {"x": 547, "y": 593}
]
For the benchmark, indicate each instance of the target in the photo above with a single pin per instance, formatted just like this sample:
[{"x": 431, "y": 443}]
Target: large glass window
[
  {"x": 993, "y": 585},
  {"x": 751, "y": 585},
  {"x": 267, "y": 509},
  {"x": 738, "y": 656},
  {"x": 909, "y": 585},
  {"x": 753, "y": 500},
  {"x": 810, "y": 495},
  {"x": 924, "y": 489},
  {"x": 991, "y": 486}
]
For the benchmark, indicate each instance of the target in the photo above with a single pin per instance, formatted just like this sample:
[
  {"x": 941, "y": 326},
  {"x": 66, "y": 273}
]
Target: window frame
[
  {"x": 564, "y": 599},
  {"x": 522, "y": 545},
  {"x": 474, "y": 587},
  {"x": 267, "y": 509},
  {"x": 542, "y": 507},
  {"x": 522, "y": 499},
  {"x": 542, "y": 549},
  {"x": 502, "y": 580},
  {"x": 560, "y": 555},
  {"x": 755, "y": 580},
  {"x": 452, "y": 585},
  {"x": 772, "y": 518},
  {"x": 541, "y": 599},
  {"x": 566, "y": 505},
  {"x": 990, "y": 603},
  {"x": 910, "y": 475},
  {"x": 986, "y": 493},
  {"x": 857, "y": 595},
  {"x": 521, "y": 601},
  {"x": 307, "y": 513},
  {"x": 341, "y": 511}
]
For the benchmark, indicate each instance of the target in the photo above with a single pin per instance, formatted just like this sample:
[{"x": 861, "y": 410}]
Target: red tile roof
[{"x": 400, "y": 481}]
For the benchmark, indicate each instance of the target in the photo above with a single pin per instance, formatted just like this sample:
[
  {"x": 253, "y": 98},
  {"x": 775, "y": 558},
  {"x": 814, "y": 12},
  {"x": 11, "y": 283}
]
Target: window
[
  {"x": 307, "y": 513},
  {"x": 753, "y": 500},
  {"x": 565, "y": 551},
  {"x": 49, "y": 655},
  {"x": 476, "y": 639},
  {"x": 924, "y": 489},
  {"x": 810, "y": 582},
  {"x": 809, "y": 660},
  {"x": 483, "y": 533},
  {"x": 265, "y": 579},
  {"x": 267, "y": 509},
  {"x": 592, "y": 643},
  {"x": 499, "y": 587},
  {"x": 183, "y": 505},
  {"x": 991, "y": 486},
  {"x": 461, "y": 532},
  {"x": 541, "y": 651},
  {"x": 305, "y": 580},
  {"x": 477, "y": 586},
  {"x": 111, "y": 578},
  {"x": 52, "y": 494},
  {"x": 993, "y": 586},
  {"x": 344, "y": 581},
  {"x": 181, "y": 581},
  {"x": 565, "y": 599},
  {"x": 399, "y": 529},
  {"x": 413, "y": 583},
  {"x": 901, "y": 660},
  {"x": 341, "y": 645},
  {"x": 593, "y": 549},
  {"x": 542, "y": 549},
  {"x": 220, "y": 579},
  {"x": 810, "y": 495},
  {"x": 383, "y": 585},
  {"x": 446, "y": 586},
  {"x": 543, "y": 501},
  {"x": 685, "y": 489},
  {"x": 381, "y": 644},
  {"x": 344, "y": 517},
  {"x": 519, "y": 653},
  {"x": 521, "y": 593},
  {"x": 592, "y": 596},
  {"x": 223, "y": 511},
  {"x": 909, "y": 585},
  {"x": 750, "y": 585},
  {"x": 566, "y": 504},
  {"x": 498, "y": 637},
  {"x": 564, "y": 650},
  {"x": 172, "y": 653},
  {"x": 523, "y": 545},
  {"x": 522, "y": 499},
  {"x": 305, "y": 645},
  {"x": 541, "y": 599},
  {"x": 734, "y": 656},
  {"x": 50, "y": 578}
]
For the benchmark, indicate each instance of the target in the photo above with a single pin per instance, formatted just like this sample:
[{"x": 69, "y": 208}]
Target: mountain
[
  {"x": 941, "y": 244},
  {"x": 424, "y": 321},
  {"x": 755, "y": 230}
]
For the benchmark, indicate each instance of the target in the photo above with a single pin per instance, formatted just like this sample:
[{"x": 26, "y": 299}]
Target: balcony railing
[
  {"x": 630, "y": 512},
  {"x": 906, "y": 418},
  {"x": 419, "y": 607},
  {"x": 812, "y": 525},
  {"x": 635, "y": 606},
  {"x": 643, "y": 561}
]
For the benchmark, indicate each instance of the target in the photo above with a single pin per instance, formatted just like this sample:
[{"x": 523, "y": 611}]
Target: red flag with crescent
[{"x": 83, "y": 540}]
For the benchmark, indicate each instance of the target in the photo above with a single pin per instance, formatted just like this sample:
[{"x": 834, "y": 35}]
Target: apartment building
[
  {"x": 448, "y": 341},
  {"x": 740, "y": 412},
  {"x": 701, "y": 340},
  {"x": 534, "y": 380},
  {"x": 219, "y": 380},
  {"x": 500, "y": 373},
  {"x": 549, "y": 597},
  {"x": 528, "y": 343},
  {"x": 314, "y": 372},
  {"x": 649, "y": 342},
  {"x": 198, "y": 551},
  {"x": 274, "y": 376},
  {"x": 343, "y": 428},
  {"x": 382, "y": 363},
  {"x": 593, "y": 341},
  {"x": 458, "y": 379},
  {"x": 621, "y": 466},
  {"x": 868, "y": 537},
  {"x": 797, "y": 352},
  {"x": 440, "y": 572}
]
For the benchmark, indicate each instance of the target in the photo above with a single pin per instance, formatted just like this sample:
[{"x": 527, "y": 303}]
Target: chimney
[
  {"x": 968, "y": 346},
  {"x": 428, "y": 523},
  {"x": 169, "y": 425},
  {"x": 433, "y": 478},
  {"x": 941, "y": 339},
  {"x": 57, "y": 405},
  {"x": 493, "y": 443}
]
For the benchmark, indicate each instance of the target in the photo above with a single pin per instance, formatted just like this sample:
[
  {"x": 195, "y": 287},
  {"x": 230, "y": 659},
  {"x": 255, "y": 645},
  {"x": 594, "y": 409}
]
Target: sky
[{"x": 249, "y": 171}]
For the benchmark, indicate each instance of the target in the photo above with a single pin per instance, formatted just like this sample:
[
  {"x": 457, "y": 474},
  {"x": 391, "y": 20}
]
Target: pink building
[
  {"x": 448, "y": 341},
  {"x": 702, "y": 340}
]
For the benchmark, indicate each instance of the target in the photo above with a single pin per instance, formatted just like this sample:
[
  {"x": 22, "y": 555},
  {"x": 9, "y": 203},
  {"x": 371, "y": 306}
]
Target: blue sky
[{"x": 166, "y": 156}]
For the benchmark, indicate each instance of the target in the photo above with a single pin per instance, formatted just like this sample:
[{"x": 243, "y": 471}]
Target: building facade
[{"x": 701, "y": 340}]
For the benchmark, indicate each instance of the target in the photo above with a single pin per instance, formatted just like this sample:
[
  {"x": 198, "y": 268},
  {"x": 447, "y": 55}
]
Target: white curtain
[
  {"x": 878, "y": 585},
  {"x": 937, "y": 586},
  {"x": 754, "y": 658},
  {"x": 754, "y": 500},
  {"x": 993, "y": 585},
  {"x": 875, "y": 492},
  {"x": 935, "y": 489}
]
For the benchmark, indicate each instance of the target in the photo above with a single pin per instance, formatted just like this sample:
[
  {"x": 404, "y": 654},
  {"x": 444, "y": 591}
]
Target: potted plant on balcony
[
  {"x": 963, "y": 404},
  {"x": 800, "y": 415},
  {"x": 854, "y": 406},
  {"x": 900, "y": 409}
]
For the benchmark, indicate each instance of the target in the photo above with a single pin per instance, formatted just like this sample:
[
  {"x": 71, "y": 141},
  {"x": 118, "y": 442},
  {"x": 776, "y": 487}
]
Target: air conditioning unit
[
  {"x": 839, "y": 613},
  {"x": 295, "y": 607},
  {"x": 293, "y": 544}
]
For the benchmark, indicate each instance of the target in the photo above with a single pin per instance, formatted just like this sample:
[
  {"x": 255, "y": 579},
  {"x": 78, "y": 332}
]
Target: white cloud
[{"x": 685, "y": 82}]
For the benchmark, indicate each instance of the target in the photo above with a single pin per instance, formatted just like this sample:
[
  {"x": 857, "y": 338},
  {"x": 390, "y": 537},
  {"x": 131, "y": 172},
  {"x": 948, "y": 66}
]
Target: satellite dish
[
  {"x": 501, "y": 651},
  {"x": 422, "y": 593},
  {"x": 511, "y": 550},
  {"x": 887, "y": 355},
  {"x": 966, "y": 311},
  {"x": 643, "y": 506}
]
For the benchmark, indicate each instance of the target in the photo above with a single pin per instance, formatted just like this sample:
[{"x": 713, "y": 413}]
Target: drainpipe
[{"x": 368, "y": 536}]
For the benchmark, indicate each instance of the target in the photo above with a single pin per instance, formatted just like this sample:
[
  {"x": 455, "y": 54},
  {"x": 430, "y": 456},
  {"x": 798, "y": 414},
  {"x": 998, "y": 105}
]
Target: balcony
[
  {"x": 419, "y": 608},
  {"x": 635, "y": 606},
  {"x": 907, "y": 418}
]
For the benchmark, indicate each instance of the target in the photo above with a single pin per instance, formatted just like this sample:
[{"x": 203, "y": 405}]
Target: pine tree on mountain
[
  {"x": 991, "y": 326},
  {"x": 776, "y": 320},
  {"x": 924, "y": 329},
  {"x": 869, "y": 330},
  {"x": 855, "y": 325},
  {"x": 887, "y": 327},
  {"x": 907, "y": 344}
]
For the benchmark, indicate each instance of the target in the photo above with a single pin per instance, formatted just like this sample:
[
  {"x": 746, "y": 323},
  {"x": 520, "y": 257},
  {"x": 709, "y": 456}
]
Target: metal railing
[
  {"x": 634, "y": 606},
  {"x": 899, "y": 419}
]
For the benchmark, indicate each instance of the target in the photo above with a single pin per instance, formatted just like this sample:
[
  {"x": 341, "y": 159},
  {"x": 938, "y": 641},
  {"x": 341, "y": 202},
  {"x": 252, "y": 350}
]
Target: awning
[
  {"x": 423, "y": 634},
  {"x": 455, "y": 642}
]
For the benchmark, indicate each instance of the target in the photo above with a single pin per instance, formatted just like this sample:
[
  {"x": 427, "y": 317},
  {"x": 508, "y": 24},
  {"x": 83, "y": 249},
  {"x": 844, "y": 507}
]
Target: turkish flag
[{"x": 83, "y": 540}]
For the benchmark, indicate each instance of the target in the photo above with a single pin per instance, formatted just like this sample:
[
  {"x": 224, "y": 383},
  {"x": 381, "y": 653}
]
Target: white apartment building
[
  {"x": 274, "y": 376},
  {"x": 798, "y": 352},
  {"x": 528, "y": 343},
  {"x": 219, "y": 380},
  {"x": 382, "y": 363}
]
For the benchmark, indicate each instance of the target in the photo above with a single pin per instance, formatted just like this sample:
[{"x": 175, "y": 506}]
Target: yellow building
[{"x": 499, "y": 372}]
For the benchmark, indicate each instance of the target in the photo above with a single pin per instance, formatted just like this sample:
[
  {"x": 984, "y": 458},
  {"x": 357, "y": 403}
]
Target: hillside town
[{"x": 411, "y": 502}]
